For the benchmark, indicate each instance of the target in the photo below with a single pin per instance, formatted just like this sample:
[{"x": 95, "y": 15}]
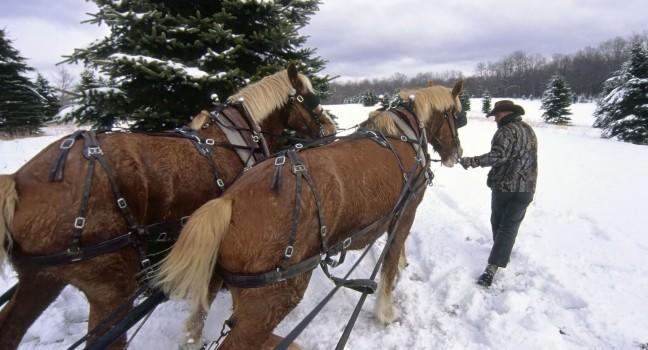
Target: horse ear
[
  {"x": 458, "y": 88},
  {"x": 293, "y": 75},
  {"x": 199, "y": 120}
]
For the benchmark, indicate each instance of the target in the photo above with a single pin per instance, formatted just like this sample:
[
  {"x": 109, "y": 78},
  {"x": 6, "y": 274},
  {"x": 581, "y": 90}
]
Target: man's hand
[{"x": 468, "y": 162}]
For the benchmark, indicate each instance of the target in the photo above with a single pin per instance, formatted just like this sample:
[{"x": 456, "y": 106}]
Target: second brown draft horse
[
  {"x": 161, "y": 179},
  {"x": 252, "y": 231}
]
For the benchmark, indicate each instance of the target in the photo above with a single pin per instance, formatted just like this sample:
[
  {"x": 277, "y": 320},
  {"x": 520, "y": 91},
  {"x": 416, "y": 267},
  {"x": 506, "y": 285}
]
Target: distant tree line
[{"x": 518, "y": 75}]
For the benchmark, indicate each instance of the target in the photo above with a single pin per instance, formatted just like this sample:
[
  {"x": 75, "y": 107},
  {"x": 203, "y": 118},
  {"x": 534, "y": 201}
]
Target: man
[{"x": 512, "y": 179}]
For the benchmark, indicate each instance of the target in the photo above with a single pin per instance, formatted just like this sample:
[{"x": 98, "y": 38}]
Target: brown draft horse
[
  {"x": 162, "y": 179},
  {"x": 246, "y": 230}
]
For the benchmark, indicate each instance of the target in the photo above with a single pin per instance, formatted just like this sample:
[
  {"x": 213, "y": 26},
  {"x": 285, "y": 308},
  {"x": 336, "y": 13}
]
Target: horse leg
[
  {"x": 108, "y": 283},
  {"x": 34, "y": 293},
  {"x": 384, "y": 310},
  {"x": 402, "y": 260},
  {"x": 196, "y": 322},
  {"x": 257, "y": 311}
]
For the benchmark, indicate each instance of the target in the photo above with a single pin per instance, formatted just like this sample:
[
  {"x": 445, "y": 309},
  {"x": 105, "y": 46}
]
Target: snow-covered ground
[{"x": 577, "y": 278}]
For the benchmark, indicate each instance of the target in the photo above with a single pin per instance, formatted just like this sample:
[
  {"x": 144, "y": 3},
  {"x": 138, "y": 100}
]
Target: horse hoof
[
  {"x": 191, "y": 344},
  {"x": 384, "y": 314}
]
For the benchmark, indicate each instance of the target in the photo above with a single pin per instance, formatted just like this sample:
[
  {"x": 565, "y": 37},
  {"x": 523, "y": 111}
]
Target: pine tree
[
  {"x": 21, "y": 109},
  {"x": 369, "y": 98},
  {"x": 464, "y": 98},
  {"x": 96, "y": 103},
  {"x": 556, "y": 100},
  {"x": 486, "y": 102},
  {"x": 623, "y": 110},
  {"x": 168, "y": 57},
  {"x": 48, "y": 97}
]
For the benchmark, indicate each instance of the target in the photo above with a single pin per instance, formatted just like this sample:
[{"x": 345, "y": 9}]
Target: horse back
[
  {"x": 160, "y": 178},
  {"x": 358, "y": 182}
]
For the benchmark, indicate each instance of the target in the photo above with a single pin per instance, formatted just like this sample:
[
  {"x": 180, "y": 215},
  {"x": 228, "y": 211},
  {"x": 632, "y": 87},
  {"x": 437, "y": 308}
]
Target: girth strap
[{"x": 266, "y": 278}]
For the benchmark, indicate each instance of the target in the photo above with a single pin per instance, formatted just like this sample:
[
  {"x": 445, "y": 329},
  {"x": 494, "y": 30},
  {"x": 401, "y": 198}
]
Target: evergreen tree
[
  {"x": 96, "y": 103},
  {"x": 48, "y": 97},
  {"x": 556, "y": 100},
  {"x": 168, "y": 57},
  {"x": 486, "y": 102},
  {"x": 623, "y": 110},
  {"x": 464, "y": 98},
  {"x": 21, "y": 109},
  {"x": 369, "y": 98}
]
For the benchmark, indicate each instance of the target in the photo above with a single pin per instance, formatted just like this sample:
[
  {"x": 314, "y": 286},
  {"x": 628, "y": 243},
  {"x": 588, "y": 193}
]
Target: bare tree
[{"x": 64, "y": 82}]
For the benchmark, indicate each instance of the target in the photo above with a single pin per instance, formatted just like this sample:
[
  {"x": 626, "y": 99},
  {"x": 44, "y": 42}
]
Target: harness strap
[
  {"x": 257, "y": 131},
  {"x": 86, "y": 252},
  {"x": 80, "y": 220},
  {"x": 205, "y": 148},
  {"x": 159, "y": 233},
  {"x": 263, "y": 279},
  {"x": 298, "y": 169},
  {"x": 58, "y": 168}
]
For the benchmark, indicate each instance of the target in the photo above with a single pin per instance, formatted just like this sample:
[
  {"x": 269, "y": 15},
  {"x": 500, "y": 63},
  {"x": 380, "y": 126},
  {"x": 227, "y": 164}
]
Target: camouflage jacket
[{"x": 513, "y": 157}]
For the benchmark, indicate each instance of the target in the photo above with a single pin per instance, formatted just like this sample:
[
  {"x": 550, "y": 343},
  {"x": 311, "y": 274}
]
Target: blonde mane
[
  {"x": 426, "y": 101},
  {"x": 430, "y": 99},
  {"x": 380, "y": 120},
  {"x": 267, "y": 95}
]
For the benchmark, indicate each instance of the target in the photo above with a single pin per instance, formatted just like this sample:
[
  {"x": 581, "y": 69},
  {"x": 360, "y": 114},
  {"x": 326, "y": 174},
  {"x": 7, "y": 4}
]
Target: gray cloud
[
  {"x": 368, "y": 38},
  {"x": 377, "y": 38}
]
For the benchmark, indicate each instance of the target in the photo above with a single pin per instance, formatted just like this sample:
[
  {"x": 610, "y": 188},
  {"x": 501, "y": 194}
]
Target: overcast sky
[{"x": 377, "y": 38}]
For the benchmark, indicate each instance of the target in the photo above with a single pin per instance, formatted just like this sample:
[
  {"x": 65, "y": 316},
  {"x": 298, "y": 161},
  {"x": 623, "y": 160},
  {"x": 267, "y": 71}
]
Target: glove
[{"x": 469, "y": 162}]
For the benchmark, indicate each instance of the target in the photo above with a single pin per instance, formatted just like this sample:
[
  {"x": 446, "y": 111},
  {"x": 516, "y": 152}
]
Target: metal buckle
[
  {"x": 210, "y": 142},
  {"x": 79, "y": 222},
  {"x": 332, "y": 262},
  {"x": 281, "y": 160},
  {"x": 94, "y": 150},
  {"x": 298, "y": 168},
  {"x": 346, "y": 243},
  {"x": 220, "y": 183},
  {"x": 183, "y": 220},
  {"x": 67, "y": 143},
  {"x": 323, "y": 230},
  {"x": 403, "y": 138},
  {"x": 255, "y": 138},
  {"x": 121, "y": 203},
  {"x": 289, "y": 251},
  {"x": 161, "y": 237},
  {"x": 145, "y": 263},
  {"x": 299, "y": 146},
  {"x": 300, "y": 98}
]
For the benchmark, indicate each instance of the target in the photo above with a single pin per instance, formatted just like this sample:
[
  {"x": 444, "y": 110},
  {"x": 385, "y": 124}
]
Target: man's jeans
[{"x": 507, "y": 212}]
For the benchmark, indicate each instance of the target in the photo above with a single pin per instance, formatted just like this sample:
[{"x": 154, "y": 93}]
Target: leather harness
[
  {"x": 157, "y": 237},
  {"x": 408, "y": 122}
]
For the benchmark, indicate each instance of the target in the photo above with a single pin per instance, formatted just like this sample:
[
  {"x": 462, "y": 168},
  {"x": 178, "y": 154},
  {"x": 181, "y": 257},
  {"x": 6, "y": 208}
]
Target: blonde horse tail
[
  {"x": 187, "y": 270},
  {"x": 8, "y": 200}
]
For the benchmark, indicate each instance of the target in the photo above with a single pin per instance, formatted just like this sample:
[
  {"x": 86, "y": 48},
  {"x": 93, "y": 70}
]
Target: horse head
[
  {"x": 437, "y": 107},
  {"x": 286, "y": 100}
]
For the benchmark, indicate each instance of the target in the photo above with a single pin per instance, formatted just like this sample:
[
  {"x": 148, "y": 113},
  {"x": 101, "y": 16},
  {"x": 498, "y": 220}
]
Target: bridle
[
  {"x": 311, "y": 101},
  {"x": 449, "y": 118}
]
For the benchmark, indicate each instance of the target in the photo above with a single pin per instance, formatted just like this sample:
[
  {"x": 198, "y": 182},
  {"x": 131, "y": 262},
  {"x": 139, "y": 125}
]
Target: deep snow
[{"x": 577, "y": 278}]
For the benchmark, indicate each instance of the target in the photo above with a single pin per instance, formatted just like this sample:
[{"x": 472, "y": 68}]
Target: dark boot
[{"x": 486, "y": 278}]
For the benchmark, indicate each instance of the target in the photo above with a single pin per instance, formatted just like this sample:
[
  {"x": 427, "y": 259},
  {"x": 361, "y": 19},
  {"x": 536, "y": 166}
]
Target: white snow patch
[{"x": 577, "y": 277}]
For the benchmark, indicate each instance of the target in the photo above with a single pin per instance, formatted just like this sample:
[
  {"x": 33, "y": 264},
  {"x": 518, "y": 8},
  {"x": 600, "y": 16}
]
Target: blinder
[{"x": 310, "y": 101}]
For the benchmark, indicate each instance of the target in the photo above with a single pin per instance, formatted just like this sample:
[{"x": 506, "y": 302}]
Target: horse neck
[
  {"x": 272, "y": 127},
  {"x": 213, "y": 131}
]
